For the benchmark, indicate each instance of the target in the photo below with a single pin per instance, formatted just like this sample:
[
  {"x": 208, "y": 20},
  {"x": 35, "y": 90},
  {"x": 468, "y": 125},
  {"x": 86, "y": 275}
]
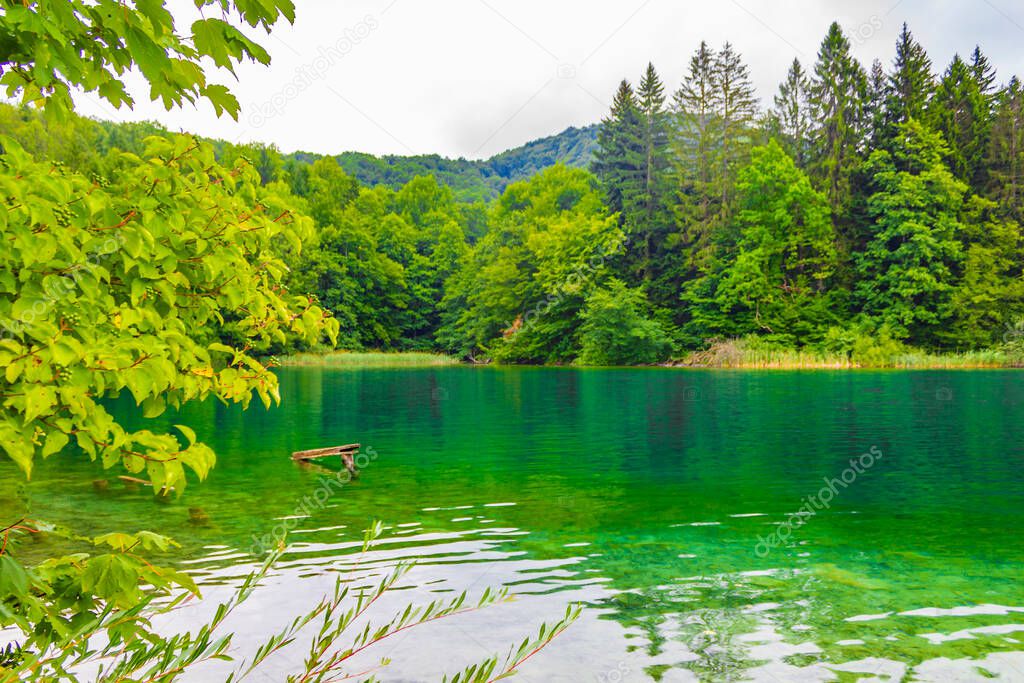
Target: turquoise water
[{"x": 657, "y": 498}]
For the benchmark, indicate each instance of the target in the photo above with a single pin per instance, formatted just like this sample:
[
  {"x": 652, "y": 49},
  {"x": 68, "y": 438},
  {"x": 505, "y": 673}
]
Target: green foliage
[
  {"x": 518, "y": 292},
  {"x": 907, "y": 272},
  {"x": 616, "y": 332},
  {"x": 114, "y": 289},
  {"x": 1005, "y": 164},
  {"x": 838, "y": 98},
  {"x": 864, "y": 344},
  {"x": 911, "y": 84},
  {"x": 619, "y": 160},
  {"x": 50, "y": 47},
  {"x": 789, "y": 120},
  {"x": 990, "y": 292},
  {"x": 960, "y": 112},
  {"x": 774, "y": 280},
  {"x": 345, "y": 265}
]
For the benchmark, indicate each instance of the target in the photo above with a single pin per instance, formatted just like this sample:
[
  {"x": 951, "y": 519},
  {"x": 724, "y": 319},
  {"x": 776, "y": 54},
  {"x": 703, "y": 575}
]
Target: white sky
[{"x": 475, "y": 77}]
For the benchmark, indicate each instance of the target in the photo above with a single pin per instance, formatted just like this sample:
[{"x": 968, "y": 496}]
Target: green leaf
[
  {"x": 189, "y": 433},
  {"x": 13, "y": 578},
  {"x": 112, "y": 577},
  {"x": 222, "y": 100},
  {"x": 55, "y": 442},
  {"x": 39, "y": 400},
  {"x": 117, "y": 541}
]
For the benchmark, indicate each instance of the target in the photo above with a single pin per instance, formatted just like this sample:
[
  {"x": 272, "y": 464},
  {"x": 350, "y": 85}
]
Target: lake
[{"x": 716, "y": 525}]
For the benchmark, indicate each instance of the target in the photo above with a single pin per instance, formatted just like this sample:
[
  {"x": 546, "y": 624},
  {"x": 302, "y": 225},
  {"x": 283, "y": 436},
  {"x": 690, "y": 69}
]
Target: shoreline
[{"x": 787, "y": 361}]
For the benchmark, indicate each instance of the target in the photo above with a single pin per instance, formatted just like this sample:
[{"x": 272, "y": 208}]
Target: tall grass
[
  {"x": 746, "y": 353},
  {"x": 738, "y": 353},
  {"x": 988, "y": 358},
  {"x": 369, "y": 359}
]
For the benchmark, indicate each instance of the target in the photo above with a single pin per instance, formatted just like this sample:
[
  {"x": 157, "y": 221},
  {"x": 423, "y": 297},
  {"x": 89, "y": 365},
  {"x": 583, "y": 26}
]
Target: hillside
[{"x": 471, "y": 180}]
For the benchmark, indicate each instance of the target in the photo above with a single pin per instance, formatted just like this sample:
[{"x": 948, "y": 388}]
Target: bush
[{"x": 616, "y": 332}]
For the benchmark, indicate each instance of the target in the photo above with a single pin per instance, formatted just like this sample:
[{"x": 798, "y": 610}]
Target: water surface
[{"x": 650, "y": 496}]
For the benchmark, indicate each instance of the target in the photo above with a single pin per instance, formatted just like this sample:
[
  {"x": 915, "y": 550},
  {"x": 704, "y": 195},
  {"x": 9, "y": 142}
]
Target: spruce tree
[
  {"x": 1005, "y": 166},
  {"x": 697, "y": 136},
  {"x": 652, "y": 219},
  {"x": 908, "y": 272},
  {"x": 911, "y": 83},
  {"x": 874, "y": 112},
  {"x": 618, "y": 160},
  {"x": 791, "y": 116},
  {"x": 983, "y": 71},
  {"x": 737, "y": 111},
  {"x": 838, "y": 96},
  {"x": 959, "y": 111}
]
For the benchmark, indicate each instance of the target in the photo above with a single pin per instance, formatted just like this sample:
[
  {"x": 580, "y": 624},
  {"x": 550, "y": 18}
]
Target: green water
[{"x": 642, "y": 494}]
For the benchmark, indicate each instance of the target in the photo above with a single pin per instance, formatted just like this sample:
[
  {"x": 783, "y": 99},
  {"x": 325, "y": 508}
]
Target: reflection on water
[{"x": 642, "y": 494}]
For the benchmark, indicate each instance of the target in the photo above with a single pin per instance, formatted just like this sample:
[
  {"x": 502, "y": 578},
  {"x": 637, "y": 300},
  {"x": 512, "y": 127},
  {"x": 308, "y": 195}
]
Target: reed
[{"x": 369, "y": 359}]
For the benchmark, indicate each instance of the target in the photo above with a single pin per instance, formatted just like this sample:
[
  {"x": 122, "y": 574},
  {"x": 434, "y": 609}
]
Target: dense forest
[{"x": 865, "y": 208}]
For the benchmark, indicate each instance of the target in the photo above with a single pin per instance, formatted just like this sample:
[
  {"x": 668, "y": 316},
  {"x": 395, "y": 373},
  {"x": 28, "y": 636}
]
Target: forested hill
[{"x": 471, "y": 180}]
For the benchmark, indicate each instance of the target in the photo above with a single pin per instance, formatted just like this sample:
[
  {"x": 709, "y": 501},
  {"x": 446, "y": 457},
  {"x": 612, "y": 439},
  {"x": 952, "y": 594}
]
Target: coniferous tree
[
  {"x": 1005, "y": 166},
  {"x": 696, "y": 140},
  {"x": 874, "y": 111},
  {"x": 990, "y": 296},
  {"x": 983, "y": 71},
  {"x": 959, "y": 111},
  {"x": 652, "y": 218},
  {"x": 838, "y": 95},
  {"x": 911, "y": 83},
  {"x": 618, "y": 160},
  {"x": 790, "y": 116},
  {"x": 737, "y": 111}
]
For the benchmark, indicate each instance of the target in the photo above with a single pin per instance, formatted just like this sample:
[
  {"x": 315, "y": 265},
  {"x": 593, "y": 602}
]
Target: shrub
[{"x": 616, "y": 332}]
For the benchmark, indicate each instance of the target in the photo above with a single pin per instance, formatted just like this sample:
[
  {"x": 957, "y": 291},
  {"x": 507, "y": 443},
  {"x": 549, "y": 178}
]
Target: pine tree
[
  {"x": 618, "y": 160},
  {"x": 652, "y": 219},
  {"x": 911, "y": 83},
  {"x": 737, "y": 111},
  {"x": 959, "y": 111},
  {"x": 1005, "y": 164},
  {"x": 878, "y": 92},
  {"x": 838, "y": 96},
  {"x": 983, "y": 71},
  {"x": 697, "y": 136},
  {"x": 791, "y": 116}
]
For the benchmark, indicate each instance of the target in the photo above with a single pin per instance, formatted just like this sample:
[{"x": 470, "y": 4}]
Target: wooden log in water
[
  {"x": 325, "y": 452},
  {"x": 347, "y": 453}
]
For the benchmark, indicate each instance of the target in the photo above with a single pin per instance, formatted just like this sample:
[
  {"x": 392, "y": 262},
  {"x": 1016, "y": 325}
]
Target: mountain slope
[{"x": 471, "y": 180}]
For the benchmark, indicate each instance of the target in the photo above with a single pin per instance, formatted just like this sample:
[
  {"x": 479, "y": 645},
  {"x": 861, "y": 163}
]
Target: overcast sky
[{"x": 475, "y": 77}]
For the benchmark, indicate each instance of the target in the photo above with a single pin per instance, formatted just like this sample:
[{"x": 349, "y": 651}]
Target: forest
[{"x": 863, "y": 212}]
